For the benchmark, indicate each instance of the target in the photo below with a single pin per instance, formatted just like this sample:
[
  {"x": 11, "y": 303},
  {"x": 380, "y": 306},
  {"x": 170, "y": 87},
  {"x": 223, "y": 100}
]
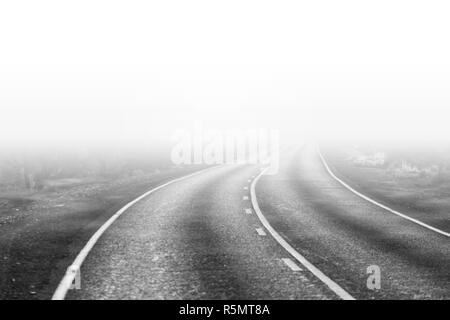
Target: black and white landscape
[{"x": 239, "y": 150}]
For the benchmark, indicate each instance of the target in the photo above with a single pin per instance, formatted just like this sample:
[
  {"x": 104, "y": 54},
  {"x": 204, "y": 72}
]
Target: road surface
[
  {"x": 200, "y": 238},
  {"x": 195, "y": 239},
  {"x": 342, "y": 234}
]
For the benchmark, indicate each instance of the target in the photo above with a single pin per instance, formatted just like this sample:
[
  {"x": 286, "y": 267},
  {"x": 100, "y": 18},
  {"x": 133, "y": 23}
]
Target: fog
[{"x": 103, "y": 73}]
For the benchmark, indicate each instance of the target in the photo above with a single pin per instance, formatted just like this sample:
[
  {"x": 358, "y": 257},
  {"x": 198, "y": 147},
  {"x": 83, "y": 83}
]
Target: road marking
[
  {"x": 248, "y": 211},
  {"x": 245, "y": 198},
  {"x": 359, "y": 194},
  {"x": 319, "y": 274},
  {"x": 260, "y": 231},
  {"x": 291, "y": 264},
  {"x": 245, "y": 188},
  {"x": 249, "y": 180},
  {"x": 69, "y": 277}
]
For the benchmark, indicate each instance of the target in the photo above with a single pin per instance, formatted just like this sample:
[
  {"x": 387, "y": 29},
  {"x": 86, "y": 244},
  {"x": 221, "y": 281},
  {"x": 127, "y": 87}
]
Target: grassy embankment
[
  {"x": 41, "y": 232},
  {"x": 418, "y": 196}
]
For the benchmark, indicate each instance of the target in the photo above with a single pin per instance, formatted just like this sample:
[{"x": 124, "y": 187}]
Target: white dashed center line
[
  {"x": 248, "y": 211},
  {"x": 316, "y": 272},
  {"x": 245, "y": 188},
  {"x": 245, "y": 198},
  {"x": 260, "y": 231},
  {"x": 291, "y": 264}
]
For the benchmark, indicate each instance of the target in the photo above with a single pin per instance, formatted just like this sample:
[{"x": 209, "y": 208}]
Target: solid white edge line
[
  {"x": 67, "y": 280},
  {"x": 340, "y": 292},
  {"x": 359, "y": 194}
]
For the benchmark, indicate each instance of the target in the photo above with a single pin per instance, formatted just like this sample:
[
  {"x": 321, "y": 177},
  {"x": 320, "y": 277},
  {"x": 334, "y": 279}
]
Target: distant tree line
[
  {"x": 31, "y": 170},
  {"x": 428, "y": 160}
]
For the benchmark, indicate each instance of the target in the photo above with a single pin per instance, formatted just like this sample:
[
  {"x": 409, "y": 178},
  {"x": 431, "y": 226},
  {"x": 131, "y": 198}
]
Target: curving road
[
  {"x": 342, "y": 234},
  {"x": 194, "y": 240},
  {"x": 200, "y": 238}
]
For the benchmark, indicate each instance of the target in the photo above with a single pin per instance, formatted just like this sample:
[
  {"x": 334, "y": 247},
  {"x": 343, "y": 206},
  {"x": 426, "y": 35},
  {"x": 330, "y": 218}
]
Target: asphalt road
[
  {"x": 37, "y": 246},
  {"x": 195, "y": 240},
  {"x": 342, "y": 234}
]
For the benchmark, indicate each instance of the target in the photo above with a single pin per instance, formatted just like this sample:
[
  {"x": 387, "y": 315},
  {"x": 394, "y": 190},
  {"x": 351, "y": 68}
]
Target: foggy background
[{"x": 98, "y": 87}]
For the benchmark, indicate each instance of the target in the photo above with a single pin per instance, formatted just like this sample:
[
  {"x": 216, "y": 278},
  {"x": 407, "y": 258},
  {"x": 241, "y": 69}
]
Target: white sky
[{"x": 102, "y": 70}]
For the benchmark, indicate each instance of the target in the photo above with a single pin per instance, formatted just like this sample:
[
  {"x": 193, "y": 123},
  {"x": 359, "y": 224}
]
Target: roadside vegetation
[
  {"x": 412, "y": 178},
  {"x": 51, "y": 204}
]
